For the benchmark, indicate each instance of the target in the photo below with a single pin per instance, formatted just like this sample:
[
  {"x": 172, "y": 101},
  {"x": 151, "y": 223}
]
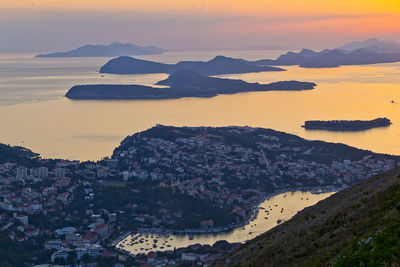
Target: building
[
  {"x": 65, "y": 231},
  {"x": 53, "y": 244},
  {"x": 111, "y": 163},
  {"x": 22, "y": 218},
  {"x": 103, "y": 230},
  {"x": 59, "y": 173},
  {"x": 190, "y": 257},
  {"x": 151, "y": 257},
  {"x": 43, "y": 172},
  {"x": 207, "y": 224},
  {"x": 22, "y": 173},
  {"x": 61, "y": 254}
]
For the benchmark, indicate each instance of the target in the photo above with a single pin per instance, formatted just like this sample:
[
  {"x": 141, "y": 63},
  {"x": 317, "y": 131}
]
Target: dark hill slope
[
  {"x": 17, "y": 154},
  {"x": 359, "y": 226}
]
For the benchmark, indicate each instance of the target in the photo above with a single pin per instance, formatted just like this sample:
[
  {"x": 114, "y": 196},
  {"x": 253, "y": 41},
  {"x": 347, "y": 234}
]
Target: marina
[{"x": 271, "y": 212}]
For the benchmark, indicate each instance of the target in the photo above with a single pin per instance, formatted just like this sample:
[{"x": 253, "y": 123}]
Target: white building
[
  {"x": 43, "y": 172},
  {"x": 22, "y": 173}
]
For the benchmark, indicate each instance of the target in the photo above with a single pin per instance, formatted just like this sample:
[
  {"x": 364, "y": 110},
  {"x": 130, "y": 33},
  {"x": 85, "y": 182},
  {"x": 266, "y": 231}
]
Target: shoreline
[{"x": 228, "y": 228}]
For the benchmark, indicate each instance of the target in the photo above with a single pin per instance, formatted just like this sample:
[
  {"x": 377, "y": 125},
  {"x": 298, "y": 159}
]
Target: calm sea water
[
  {"x": 34, "y": 112},
  {"x": 280, "y": 207}
]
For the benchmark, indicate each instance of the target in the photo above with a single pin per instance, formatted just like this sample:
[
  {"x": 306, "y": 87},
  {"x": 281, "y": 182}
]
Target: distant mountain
[
  {"x": 330, "y": 58},
  {"x": 113, "y": 50},
  {"x": 216, "y": 66},
  {"x": 374, "y": 44},
  {"x": 181, "y": 84},
  {"x": 358, "y": 226}
]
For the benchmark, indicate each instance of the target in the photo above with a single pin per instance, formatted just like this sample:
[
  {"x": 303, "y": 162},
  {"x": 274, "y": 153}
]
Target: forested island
[
  {"x": 113, "y": 50},
  {"x": 181, "y": 84},
  {"x": 216, "y": 66},
  {"x": 346, "y": 125}
]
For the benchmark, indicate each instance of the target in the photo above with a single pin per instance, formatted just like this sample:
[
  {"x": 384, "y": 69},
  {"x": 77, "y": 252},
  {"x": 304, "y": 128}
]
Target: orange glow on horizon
[{"x": 292, "y": 7}]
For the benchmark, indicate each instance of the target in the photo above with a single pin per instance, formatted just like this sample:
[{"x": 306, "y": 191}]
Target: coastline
[{"x": 227, "y": 228}]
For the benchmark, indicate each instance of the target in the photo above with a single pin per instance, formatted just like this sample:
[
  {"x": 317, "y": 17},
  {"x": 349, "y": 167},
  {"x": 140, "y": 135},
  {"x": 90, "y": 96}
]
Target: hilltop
[
  {"x": 216, "y": 66},
  {"x": 112, "y": 50},
  {"x": 358, "y": 226},
  {"x": 373, "y": 44}
]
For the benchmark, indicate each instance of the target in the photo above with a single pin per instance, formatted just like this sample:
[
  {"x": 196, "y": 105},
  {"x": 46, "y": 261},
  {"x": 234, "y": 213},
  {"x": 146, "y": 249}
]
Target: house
[
  {"x": 22, "y": 218},
  {"x": 151, "y": 257},
  {"x": 63, "y": 197},
  {"x": 61, "y": 254},
  {"x": 103, "y": 230},
  {"x": 207, "y": 224},
  {"x": 65, "y": 230},
  {"x": 190, "y": 257},
  {"x": 53, "y": 244},
  {"x": 92, "y": 237}
]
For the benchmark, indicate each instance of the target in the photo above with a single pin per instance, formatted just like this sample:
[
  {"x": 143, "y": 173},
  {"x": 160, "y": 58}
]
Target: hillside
[
  {"x": 17, "y": 154},
  {"x": 216, "y": 66},
  {"x": 359, "y": 226}
]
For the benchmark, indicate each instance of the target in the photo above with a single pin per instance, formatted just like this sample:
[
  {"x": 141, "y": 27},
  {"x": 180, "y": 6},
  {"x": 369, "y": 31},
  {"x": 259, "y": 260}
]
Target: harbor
[{"x": 273, "y": 211}]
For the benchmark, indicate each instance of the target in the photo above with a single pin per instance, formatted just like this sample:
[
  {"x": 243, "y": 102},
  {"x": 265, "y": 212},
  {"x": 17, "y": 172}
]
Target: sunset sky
[{"x": 42, "y": 25}]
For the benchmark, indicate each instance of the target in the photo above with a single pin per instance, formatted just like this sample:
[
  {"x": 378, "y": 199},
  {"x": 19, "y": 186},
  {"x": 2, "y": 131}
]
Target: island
[
  {"x": 181, "y": 84},
  {"x": 344, "y": 125},
  {"x": 113, "y": 50},
  {"x": 217, "y": 66},
  {"x": 371, "y": 51}
]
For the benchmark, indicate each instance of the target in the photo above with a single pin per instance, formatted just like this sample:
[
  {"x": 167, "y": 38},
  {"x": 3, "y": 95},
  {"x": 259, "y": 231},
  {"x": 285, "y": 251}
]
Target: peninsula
[
  {"x": 168, "y": 178},
  {"x": 113, "y": 50},
  {"x": 216, "y": 66},
  {"x": 181, "y": 84},
  {"x": 343, "y": 125}
]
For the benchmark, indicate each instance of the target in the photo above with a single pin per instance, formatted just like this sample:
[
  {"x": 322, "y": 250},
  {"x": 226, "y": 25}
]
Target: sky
[{"x": 52, "y": 25}]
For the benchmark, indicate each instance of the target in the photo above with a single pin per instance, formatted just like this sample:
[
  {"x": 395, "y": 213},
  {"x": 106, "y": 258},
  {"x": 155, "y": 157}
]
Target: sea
[
  {"x": 35, "y": 113},
  {"x": 273, "y": 211}
]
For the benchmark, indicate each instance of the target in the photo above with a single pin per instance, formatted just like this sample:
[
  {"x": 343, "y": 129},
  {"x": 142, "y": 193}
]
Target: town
[{"x": 169, "y": 179}]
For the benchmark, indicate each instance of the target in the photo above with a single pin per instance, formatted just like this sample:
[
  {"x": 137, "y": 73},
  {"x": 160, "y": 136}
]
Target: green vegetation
[
  {"x": 17, "y": 154},
  {"x": 383, "y": 248},
  {"x": 359, "y": 226}
]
